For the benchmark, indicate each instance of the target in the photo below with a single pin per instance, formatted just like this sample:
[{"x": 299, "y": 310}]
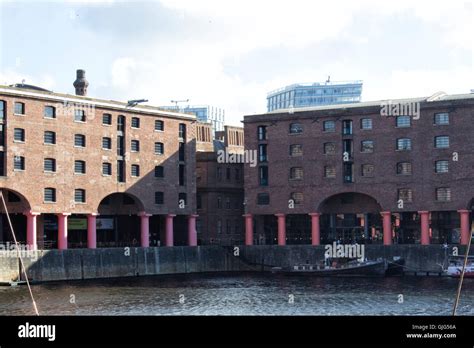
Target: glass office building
[
  {"x": 204, "y": 113},
  {"x": 314, "y": 94}
]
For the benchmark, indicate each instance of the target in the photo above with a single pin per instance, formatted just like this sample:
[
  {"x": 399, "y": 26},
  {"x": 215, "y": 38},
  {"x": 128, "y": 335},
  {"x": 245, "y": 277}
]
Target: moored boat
[
  {"x": 456, "y": 265},
  {"x": 337, "y": 268}
]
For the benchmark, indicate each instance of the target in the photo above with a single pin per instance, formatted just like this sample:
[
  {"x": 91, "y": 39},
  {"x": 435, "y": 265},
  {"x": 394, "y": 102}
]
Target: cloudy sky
[{"x": 230, "y": 53}]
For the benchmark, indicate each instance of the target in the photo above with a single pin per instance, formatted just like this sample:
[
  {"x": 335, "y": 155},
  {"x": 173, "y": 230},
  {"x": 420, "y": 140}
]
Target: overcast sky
[{"x": 230, "y": 53}]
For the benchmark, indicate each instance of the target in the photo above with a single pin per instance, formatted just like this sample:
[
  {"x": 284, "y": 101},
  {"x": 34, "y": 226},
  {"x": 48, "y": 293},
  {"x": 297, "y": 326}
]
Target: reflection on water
[{"x": 242, "y": 294}]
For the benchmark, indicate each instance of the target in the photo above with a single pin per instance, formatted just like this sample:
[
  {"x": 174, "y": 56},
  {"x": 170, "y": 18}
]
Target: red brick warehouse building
[
  {"x": 220, "y": 186},
  {"x": 357, "y": 173},
  {"x": 83, "y": 172}
]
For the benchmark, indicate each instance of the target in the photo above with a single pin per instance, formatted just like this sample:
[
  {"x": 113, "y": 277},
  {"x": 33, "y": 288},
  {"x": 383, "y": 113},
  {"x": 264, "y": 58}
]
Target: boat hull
[{"x": 373, "y": 269}]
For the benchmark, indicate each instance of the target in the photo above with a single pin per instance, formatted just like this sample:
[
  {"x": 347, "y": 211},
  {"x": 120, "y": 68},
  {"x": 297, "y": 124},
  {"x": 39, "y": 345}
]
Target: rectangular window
[
  {"x": 2, "y": 135},
  {"x": 159, "y": 198},
  {"x": 49, "y": 137},
  {"x": 19, "y": 108},
  {"x": 120, "y": 145},
  {"x": 79, "y": 167},
  {"x": 441, "y": 119},
  {"x": 107, "y": 119},
  {"x": 368, "y": 170},
  {"x": 297, "y": 197},
  {"x": 263, "y": 175},
  {"x": 262, "y": 132},
  {"x": 442, "y": 142},
  {"x": 263, "y": 199},
  {"x": 159, "y": 149},
  {"x": 181, "y": 175},
  {"x": 79, "y": 196},
  {"x": 19, "y": 135},
  {"x": 329, "y": 126},
  {"x": 121, "y": 123},
  {"x": 443, "y": 194},
  {"x": 262, "y": 152},
  {"x": 79, "y": 115},
  {"x": 79, "y": 140},
  {"x": 2, "y": 110},
  {"x": 106, "y": 168},
  {"x": 182, "y": 152},
  {"x": 442, "y": 167},
  {"x": 159, "y": 125},
  {"x": 329, "y": 148},
  {"x": 159, "y": 172},
  {"x": 120, "y": 171},
  {"x": 367, "y": 146},
  {"x": 135, "y": 122},
  {"x": 405, "y": 195},
  {"x": 403, "y": 121},
  {"x": 49, "y": 165},
  {"x": 366, "y": 123},
  {"x": 296, "y": 173},
  {"x": 329, "y": 172},
  {"x": 403, "y": 144},
  {"x": 182, "y": 131},
  {"x": 347, "y": 127},
  {"x": 50, "y": 195},
  {"x": 135, "y": 170},
  {"x": 348, "y": 169},
  {"x": 296, "y": 128},
  {"x": 404, "y": 168},
  {"x": 19, "y": 163},
  {"x": 106, "y": 143},
  {"x": 49, "y": 112},
  {"x": 135, "y": 146},
  {"x": 296, "y": 150}
]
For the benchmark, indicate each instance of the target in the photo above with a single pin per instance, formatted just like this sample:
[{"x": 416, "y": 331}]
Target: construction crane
[{"x": 176, "y": 102}]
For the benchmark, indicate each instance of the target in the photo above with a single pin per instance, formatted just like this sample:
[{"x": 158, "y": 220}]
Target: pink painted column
[
  {"x": 192, "y": 233},
  {"x": 92, "y": 231},
  {"x": 465, "y": 228},
  {"x": 387, "y": 227},
  {"x": 144, "y": 229},
  {"x": 31, "y": 230},
  {"x": 62, "y": 230},
  {"x": 248, "y": 229},
  {"x": 281, "y": 229},
  {"x": 169, "y": 230},
  {"x": 425, "y": 227},
  {"x": 315, "y": 229}
]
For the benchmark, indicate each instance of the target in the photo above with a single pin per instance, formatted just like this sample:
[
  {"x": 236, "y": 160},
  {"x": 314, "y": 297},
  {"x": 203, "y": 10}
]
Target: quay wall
[{"x": 76, "y": 264}]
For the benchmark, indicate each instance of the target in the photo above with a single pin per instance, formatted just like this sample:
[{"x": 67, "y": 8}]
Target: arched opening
[
  {"x": 17, "y": 205},
  {"x": 118, "y": 223},
  {"x": 351, "y": 218}
]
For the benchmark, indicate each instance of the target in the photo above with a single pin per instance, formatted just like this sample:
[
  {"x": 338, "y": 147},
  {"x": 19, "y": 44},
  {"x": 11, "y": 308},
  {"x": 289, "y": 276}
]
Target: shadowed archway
[
  {"x": 17, "y": 205},
  {"x": 351, "y": 217},
  {"x": 118, "y": 223}
]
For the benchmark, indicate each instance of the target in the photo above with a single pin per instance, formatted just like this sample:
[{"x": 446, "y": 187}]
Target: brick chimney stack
[{"x": 81, "y": 83}]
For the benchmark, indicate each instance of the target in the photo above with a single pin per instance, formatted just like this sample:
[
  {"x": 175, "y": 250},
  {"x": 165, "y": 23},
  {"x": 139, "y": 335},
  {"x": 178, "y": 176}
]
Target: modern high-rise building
[
  {"x": 314, "y": 94},
  {"x": 204, "y": 113}
]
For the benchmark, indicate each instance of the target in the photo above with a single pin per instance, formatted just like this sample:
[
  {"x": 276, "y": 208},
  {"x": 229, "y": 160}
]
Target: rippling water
[{"x": 242, "y": 294}]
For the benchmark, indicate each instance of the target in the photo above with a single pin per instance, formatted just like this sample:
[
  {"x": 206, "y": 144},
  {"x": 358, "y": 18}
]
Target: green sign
[{"x": 75, "y": 224}]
